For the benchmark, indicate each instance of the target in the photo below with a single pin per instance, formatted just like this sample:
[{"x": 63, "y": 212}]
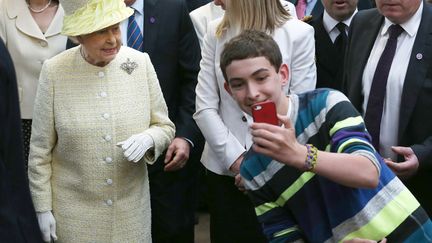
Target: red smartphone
[{"x": 265, "y": 112}]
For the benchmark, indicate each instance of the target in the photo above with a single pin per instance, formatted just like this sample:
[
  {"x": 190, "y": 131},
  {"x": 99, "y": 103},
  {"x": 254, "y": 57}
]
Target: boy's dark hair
[{"x": 250, "y": 44}]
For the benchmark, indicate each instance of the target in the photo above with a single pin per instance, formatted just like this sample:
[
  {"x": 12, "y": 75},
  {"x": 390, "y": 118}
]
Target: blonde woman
[
  {"x": 221, "y": 121},
  {"x": 99, "y": 117},
  {"x": 31, "y": 32}
]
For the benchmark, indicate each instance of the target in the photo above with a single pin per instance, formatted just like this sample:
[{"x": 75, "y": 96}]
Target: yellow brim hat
[{"x": 95, "y": 15}]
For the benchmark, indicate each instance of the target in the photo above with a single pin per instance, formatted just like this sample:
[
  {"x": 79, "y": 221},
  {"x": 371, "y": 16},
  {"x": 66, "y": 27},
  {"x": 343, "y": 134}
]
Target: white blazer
[
  {"x": 203, "y": 15},
  {"x": 29, "y": 47},
  {"x": 221, "y": 121}
]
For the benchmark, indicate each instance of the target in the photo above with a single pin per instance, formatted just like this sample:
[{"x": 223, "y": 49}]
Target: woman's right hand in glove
[{"x": 47, "y": 225}]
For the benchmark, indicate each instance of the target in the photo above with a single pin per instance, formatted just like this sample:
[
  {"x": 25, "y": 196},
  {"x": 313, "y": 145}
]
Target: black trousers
[
  {"x": 173, "y": 198},
  {"x": 232, "y": 215}
]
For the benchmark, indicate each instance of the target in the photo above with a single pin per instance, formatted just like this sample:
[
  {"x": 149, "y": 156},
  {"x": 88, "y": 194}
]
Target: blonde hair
[{"x": 262, "y": 15}]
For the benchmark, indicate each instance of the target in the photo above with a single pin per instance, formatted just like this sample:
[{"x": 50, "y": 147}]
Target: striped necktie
[
  {"x": 301, "y": 9},
  {"x": 134, "y": 35}
]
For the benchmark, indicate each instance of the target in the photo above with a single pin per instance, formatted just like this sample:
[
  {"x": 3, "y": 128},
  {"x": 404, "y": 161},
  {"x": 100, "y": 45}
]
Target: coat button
[
  {"x": 419, "y": 56},
  {"x": 108, "y": 160},
  {"x": 244, "y": 119},
  {"x": 103, "y": 94},
  {"x": 101, "y": 74},
  {"x": 109, "y": 181},
  {"x": 43, "y": 43},
  {"x": 106, "y": 115},
  {"x": 107, "y": 138},
  {"x": 109, "y": 202}
]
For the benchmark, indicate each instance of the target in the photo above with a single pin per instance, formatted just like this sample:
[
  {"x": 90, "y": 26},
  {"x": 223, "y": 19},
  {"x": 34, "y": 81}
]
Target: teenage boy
[{"x": 316, "y": 178}]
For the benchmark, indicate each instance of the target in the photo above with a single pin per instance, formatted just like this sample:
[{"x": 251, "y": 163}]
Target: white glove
[
  {"x": 47, "y": 225},
  {"x": 136, "y": 146}
]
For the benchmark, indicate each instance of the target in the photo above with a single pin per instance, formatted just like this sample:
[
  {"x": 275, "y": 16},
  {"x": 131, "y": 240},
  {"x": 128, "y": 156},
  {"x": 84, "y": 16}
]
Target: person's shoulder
[
  {"x": 366, "y": 14},
  {"x": 201, "y": 11},
  {"x": 130, "y": 56},
  {"x": 128, "y": 52},
  {"x": 294, "y": 30},
  {"x": 64, "y": 57},
  {"x": 208, "y": 11},
  {"x": 323, "y": 95},
  {"x": 295, "y": 25}
]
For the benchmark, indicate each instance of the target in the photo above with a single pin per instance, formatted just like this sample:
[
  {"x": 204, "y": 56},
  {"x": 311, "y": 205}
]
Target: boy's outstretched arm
[{"x": 280, "y": 143}]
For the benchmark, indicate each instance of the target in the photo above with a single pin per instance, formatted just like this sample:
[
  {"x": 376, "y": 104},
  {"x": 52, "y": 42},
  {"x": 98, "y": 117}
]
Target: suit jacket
[
  {"x": 319, "y": 8},
  {"x": 29, "y": 47},
  {"x": 328, "y": 60},
  {"x": 415, "y": 118},
  {"x": 17, "y": 215},
  {"x": 173, "y": 47}
]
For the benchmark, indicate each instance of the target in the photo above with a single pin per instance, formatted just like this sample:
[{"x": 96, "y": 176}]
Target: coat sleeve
[
  {"x": 161, "y": 128},
  {"x": 302, "y": 66},
  {"x": 42, "y": 142},
  {"x": 189, "y": 56},
  {"x": 218, "y": 136}
]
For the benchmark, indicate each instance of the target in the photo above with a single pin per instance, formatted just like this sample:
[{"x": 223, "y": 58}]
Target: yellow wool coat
[{"x": 75, "y": 168}]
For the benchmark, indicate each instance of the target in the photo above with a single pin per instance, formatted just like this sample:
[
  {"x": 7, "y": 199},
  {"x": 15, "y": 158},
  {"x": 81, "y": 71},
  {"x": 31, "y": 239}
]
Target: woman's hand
[
  {"x": 136, "y": 146},
  {"x": 47, "y": 225}
]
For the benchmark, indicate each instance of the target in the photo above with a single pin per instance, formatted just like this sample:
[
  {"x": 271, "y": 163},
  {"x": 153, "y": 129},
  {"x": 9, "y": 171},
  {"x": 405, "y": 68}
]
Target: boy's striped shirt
[{"x": 294, "y": 205}]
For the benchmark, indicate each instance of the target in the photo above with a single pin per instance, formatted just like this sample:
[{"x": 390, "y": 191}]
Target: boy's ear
[
  {"x": 284, "y": 73},
  {"x": 227, "y": 88}
]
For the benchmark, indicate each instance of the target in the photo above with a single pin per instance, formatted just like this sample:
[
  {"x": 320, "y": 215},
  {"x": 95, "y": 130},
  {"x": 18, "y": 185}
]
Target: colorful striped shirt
[{"x": 294, "y": 205}]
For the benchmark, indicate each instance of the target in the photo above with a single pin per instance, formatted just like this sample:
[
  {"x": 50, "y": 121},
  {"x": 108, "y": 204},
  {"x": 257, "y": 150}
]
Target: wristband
[{"x": 311, "y": 157}]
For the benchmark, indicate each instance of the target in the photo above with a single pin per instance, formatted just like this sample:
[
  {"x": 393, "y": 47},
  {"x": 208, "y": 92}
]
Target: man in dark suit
[
  {"x": 402, "y": 129},
  {"x": 17, "y": 216},
  {"x": 330, "y": 42},
  {"x": 315, "y": 8},
  {"x": 173, "y": 47}
]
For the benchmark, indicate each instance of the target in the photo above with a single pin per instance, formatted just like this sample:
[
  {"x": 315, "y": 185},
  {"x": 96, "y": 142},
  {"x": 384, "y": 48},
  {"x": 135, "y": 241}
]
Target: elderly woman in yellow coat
[{"x": 99, "y": 116}]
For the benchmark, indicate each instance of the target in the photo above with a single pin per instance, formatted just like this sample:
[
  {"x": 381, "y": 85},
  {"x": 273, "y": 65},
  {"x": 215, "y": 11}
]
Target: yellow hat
[{"x": 87, "y": 16}]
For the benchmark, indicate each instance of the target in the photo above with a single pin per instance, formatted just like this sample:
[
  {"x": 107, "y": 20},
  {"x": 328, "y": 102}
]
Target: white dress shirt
[
  {"x": 138, "y": 6},
  {"x": 395, "y": 81},
  {"x": 330, "y": 25}
]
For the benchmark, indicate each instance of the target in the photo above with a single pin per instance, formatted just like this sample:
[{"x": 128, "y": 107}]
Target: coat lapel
[
  {"x": 26, "y": 24},
  {"x": 417, "y": 69},
  {"x": 365, "y": 36},
  {"x": 56, "y": 23},
  {"x": 24, "y": 20},
  {"x": 151, "y": 24}
]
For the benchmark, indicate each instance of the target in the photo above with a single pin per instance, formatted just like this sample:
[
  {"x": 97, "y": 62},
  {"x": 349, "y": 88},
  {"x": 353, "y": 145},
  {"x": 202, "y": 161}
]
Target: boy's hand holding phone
[{"x": 279, "y": 142}]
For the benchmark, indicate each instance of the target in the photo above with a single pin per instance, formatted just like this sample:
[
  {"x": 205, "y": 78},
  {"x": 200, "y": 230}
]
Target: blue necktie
[
  {"x": 377, "y": 92},
  {"x": 134, "y": 35}
]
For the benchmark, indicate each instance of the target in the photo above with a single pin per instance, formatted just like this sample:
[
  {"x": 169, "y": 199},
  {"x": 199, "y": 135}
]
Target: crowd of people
[{"x": 115, "y": 113}]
